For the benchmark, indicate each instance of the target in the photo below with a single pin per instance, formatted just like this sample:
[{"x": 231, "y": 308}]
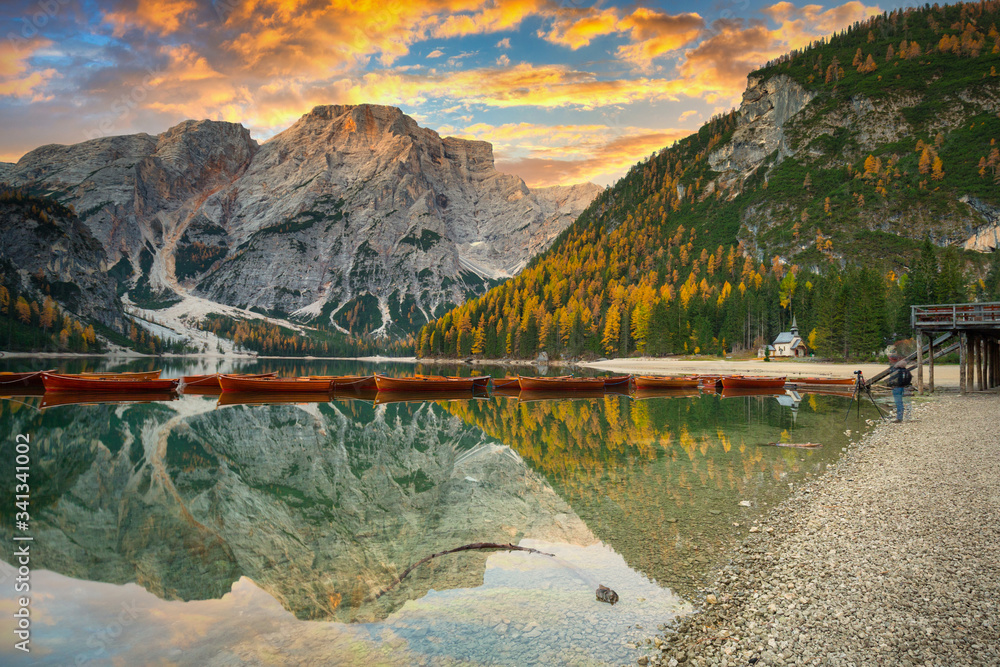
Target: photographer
[{"x": 899, "y": 379}]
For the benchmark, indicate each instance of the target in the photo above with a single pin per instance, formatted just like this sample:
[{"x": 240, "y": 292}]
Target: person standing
[{"x": 899, "y": 379}]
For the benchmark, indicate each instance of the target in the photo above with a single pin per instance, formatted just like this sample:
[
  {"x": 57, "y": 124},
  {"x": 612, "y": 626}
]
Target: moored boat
[
  {"x": 55, "y": 382},
  {"x": 31, "y": 379},
  {"x": 349, "y": 382},
  {"x": 212, "y": 380},
  {"x": 752, "y": 382},
  {"x": 124, "y": 375},
  {"x": 506, "y": 382},
  {"x": 273, "y": 384},
  {"x": 430, "y": 383},
  {"x": 665, "y": 382},
  {"x": 562, "y": 383},
  {"x": 822, "y": 381},
  {"x": 617, "y": 381}
]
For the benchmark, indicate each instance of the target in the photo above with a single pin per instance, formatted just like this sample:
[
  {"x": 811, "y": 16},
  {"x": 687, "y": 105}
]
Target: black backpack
[{"x": 903, "y": 377}]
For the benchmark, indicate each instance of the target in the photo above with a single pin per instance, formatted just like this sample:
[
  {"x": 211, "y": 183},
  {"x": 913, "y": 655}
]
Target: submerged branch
[{"x": 465, "y": 547}]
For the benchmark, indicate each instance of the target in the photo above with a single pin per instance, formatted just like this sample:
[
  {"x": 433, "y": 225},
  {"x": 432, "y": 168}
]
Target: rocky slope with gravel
[{"x": 893, "y": 557}]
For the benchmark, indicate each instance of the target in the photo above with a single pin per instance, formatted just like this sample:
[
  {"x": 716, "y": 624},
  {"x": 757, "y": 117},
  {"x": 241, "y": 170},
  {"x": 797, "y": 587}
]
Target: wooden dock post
[
  {"x": 920, "y": 364},
  {"x": 930, "y": 360},
  {"x": 963, "y": 362}
]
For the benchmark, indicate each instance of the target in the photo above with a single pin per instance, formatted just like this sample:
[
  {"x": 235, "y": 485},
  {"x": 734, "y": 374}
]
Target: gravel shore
[{"x": 891, "y": 558}]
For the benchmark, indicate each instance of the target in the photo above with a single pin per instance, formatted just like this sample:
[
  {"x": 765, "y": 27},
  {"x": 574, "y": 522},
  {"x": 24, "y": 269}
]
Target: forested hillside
[{"x": 859, "y": 176}]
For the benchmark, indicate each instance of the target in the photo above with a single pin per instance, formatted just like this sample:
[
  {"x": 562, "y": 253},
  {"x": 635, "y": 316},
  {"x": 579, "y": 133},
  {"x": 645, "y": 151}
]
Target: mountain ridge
[{"x": 355, "y": 217}]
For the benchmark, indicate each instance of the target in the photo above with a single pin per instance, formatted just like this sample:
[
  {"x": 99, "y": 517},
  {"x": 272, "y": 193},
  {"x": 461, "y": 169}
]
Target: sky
[{"x": 566, "y": 92}]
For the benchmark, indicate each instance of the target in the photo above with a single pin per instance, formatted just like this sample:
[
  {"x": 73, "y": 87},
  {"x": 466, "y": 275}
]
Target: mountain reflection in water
[{"x": 320, "y": 505}]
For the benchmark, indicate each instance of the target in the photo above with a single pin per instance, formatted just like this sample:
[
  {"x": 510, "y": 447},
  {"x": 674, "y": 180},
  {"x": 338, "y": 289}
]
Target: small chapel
[{"x": 787, "y": 344}]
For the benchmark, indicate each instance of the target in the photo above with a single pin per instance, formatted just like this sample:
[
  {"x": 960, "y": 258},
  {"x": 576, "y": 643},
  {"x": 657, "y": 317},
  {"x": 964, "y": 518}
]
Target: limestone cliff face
[
  {"x": 355, "y": 214},
  {"x": 768, "y": 104},
  {"x": 54, "y": 254},
  {"x": 322, "y": 506}
]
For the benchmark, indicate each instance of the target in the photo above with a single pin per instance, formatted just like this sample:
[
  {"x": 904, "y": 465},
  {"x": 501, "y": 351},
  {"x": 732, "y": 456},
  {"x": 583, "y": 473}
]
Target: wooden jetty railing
[{"x": 977, "y": 327}]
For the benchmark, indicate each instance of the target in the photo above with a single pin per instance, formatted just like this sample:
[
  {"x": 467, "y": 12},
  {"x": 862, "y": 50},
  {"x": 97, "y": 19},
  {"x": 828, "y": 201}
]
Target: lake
[{"x": 191, "y": 532}]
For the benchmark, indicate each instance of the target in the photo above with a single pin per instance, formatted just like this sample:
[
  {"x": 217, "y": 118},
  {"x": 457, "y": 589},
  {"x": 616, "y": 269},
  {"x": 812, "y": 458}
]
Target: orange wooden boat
[
  {"x": 752, "y": 382},
  {"x": 212, "y": 380},
  {"x": 349, "y": 382},
  {"x": 823, "y": 381},
  {"x": 33, "y": 379},
  {"x": 506, "y": 382},
  {"x": 430, "y": 383},
  {"x": 127, "y": 375},
  {"x": 273, "y": 384},
  {"x": 54, "y": 382},
  {"x": 665, "y": 382},
  {"x": 562, "y": 383},
  {"x": 617, "y": 381},
  {"x": 53, "y": 399},
  {"x": 272, "y": 397}
]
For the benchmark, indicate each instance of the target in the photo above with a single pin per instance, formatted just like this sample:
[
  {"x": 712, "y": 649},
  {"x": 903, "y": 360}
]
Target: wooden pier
[{"x": 972, "y": 328}]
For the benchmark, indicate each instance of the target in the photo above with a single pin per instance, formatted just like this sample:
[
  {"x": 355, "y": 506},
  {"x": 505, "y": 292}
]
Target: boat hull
[
  {"x": 847, "y": 382},
  {"x": 349, "y": 382},
  {"x": 529, "y": 383},
  {"x": 212, "y": 381},
  {"x": 32, "y": 380},
  {"x": 127, "y": 375},
  {"x": 665, "y": 382},
  {"x": 506, "y": 383},
  {"x": 618, "y": 381},
  {"x": 428, "y": 383},
  {"x": 273, "y": 385},
  {"x": 741, "y": 382},
  {"x": 55, "y": 382}
]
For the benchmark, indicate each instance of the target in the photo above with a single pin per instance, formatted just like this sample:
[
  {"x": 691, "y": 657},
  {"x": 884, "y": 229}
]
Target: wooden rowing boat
[
  {"x": 212, "y": 380},
  {"x": 506, "y": 382},
  {"x": 665, "y": 382},
  {"x": 127, "y": 375},
  {"x": 562, "y": 383},
  {"x": 430, "y": 383},
  {"x": 617, "y": 381},
  {"x": 823, "y": 381},
  {"x": 752, "y": 382},
  {"x": 54, "y": 382},
  {"x": 273, "y": 384},
  {"x": 53, "y": 399},
  {"x": 349, "y": 382},
  {"x": 32, "y": 379}
]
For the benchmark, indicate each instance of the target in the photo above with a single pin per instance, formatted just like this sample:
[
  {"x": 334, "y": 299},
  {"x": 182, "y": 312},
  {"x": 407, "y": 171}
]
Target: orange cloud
[
  {"x": 162, "y": 17},
  {"x": 601, "y": 164},
  {"x": 545, "y": 155},
  {"x": 490, "y": 17},
  {"x": 654, "y": 34},
  {"x": 576, "y": 30},
  {"x": 17, "y": 77}
]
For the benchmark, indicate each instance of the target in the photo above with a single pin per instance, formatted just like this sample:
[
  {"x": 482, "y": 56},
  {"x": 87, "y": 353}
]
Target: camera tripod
[{"x": 861, "y": 386}]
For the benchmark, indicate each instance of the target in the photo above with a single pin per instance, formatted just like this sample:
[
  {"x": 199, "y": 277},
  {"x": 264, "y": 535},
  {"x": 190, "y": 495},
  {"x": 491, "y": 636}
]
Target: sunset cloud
[
  {"x": 655, "y": 34},
  {"x": 18, "y": 79},
  {"x": 577, "y": 28}
]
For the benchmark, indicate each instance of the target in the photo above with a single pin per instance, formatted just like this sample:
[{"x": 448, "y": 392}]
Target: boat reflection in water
[{"x": 270, "y": 526}]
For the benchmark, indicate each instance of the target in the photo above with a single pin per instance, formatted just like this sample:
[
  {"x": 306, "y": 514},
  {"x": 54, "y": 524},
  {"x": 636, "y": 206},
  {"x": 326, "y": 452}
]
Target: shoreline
[{"x": 891, "y": 557}]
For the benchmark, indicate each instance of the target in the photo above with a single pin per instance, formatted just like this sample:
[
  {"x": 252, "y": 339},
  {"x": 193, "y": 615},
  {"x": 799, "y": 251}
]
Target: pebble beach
[{"x": 890, "y": 558}]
